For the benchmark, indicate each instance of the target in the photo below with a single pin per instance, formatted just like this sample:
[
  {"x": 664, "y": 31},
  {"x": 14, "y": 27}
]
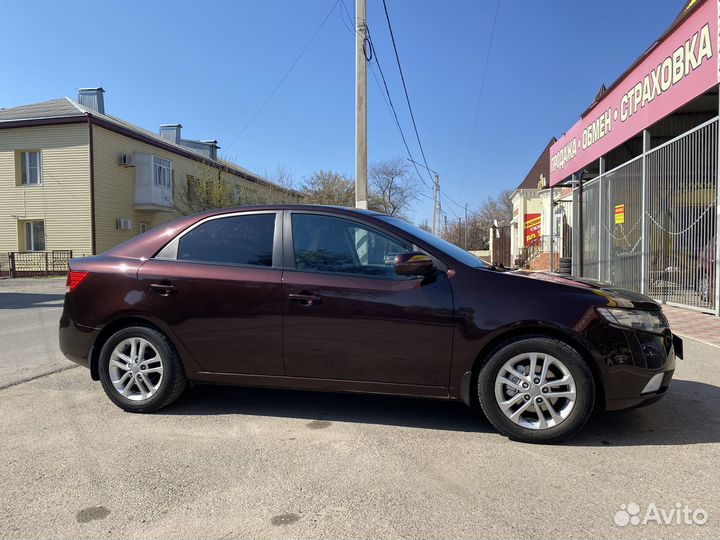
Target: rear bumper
[{"x": 76, "y": 341}]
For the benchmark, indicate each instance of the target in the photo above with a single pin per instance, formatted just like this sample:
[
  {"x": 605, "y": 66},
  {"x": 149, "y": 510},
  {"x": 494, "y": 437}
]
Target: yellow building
[{"x": 75, "y": 178}]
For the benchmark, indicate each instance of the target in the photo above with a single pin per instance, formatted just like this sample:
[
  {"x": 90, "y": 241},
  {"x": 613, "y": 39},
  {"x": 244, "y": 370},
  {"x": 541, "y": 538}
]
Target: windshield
[{"x": 454, "y": 251}]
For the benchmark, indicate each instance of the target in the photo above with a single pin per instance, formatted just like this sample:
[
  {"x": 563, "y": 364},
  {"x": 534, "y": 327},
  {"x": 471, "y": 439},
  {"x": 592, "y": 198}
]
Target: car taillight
[{"x": 74, "y": 279}]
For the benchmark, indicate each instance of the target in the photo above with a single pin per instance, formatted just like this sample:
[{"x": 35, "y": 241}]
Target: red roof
[{"x": 541, "y": 167}]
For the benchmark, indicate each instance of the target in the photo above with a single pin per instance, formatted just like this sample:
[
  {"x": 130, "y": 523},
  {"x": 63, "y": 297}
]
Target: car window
[
  {"x": 438, "y": 243},
  {"x": 330, "y": 244},
  {"x": 230, "y": 240}
]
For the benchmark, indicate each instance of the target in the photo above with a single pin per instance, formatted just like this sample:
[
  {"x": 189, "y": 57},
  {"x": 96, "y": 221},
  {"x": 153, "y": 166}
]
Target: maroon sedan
[{"x": 336, "y": 299}]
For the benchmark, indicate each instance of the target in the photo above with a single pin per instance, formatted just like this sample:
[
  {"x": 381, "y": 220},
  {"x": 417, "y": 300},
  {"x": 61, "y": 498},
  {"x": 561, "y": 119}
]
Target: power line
[
  {"x": 449, "y": 198},
  {"x": 282, "y": 80},
  {"x": 402, "y": 78},
  {"x": 392, "y": 107},
  {"x": 384, "y": 93},
  {"x": 480, "y": 92}
]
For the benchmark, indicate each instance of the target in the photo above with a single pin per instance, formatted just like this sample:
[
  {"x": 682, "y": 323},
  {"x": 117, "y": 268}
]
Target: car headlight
[{"x": 648, "y": 321}]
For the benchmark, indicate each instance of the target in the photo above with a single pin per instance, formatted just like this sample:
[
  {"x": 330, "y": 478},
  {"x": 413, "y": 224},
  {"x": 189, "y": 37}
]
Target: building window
[
  {"x": 162, "y": 172},
  {"x": 34, "y": 235},
  {"x": 30, "y": 168},
  {"x": 143, "y": 228}
]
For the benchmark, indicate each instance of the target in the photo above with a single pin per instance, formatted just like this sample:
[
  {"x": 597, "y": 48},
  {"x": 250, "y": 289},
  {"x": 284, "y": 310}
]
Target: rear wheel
[
  {"x": 140, "y": 370},
  {"x": 536, "y": 389}
]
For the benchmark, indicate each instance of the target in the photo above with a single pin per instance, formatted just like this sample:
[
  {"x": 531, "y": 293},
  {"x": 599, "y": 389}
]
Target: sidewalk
[{"x": 692, "y": 324}]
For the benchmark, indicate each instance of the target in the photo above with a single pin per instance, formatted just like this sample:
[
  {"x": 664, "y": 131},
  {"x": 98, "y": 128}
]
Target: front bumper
[{"x": 637, "y": 366}]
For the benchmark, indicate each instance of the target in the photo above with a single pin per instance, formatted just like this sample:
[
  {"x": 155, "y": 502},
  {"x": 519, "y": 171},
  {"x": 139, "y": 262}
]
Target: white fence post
[{"x": 644, "y": 251}]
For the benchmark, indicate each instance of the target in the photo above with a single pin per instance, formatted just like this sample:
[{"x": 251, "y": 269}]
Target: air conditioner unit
[
  {"x": 127, "y": 160},
  {"x": 124, "y": 224}
]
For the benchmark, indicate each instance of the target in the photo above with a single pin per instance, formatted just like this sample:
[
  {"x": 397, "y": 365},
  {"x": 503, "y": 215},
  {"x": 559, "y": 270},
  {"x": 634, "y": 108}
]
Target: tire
[
  {"x": 146, "y": 389},
  {"x": 572, "y": 407}
]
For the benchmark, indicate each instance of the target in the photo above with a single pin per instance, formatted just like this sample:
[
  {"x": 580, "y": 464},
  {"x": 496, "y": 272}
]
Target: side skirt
[{"x": 322, "y": 385}]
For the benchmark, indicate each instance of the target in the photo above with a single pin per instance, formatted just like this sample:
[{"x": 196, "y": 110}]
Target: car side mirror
[{"x": 414, "y": 263}]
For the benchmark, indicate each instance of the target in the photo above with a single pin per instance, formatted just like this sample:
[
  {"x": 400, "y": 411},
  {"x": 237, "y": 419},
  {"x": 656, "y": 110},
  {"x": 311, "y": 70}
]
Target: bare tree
[
  {"x": 478, "y": 224},
  {"x": 329, "y": 187},
  {"x": 392, "y": 189}
]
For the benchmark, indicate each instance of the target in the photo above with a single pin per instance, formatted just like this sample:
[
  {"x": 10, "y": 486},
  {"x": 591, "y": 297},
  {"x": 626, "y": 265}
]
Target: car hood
[{"x": 614, "y": 296}]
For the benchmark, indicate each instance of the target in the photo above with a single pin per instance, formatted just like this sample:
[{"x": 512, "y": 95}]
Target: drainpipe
[{"x": 91, "y": 153}]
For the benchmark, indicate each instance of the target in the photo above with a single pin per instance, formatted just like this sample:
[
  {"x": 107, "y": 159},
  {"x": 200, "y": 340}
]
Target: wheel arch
[
  {"x": 470, "y": 397},
  {"x": 118, "y": 324}
]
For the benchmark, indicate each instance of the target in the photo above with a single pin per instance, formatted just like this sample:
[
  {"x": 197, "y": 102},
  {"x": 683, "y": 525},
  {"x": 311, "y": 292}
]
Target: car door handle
[
  {"x": 163, "y": 289},
  {"x": 304, "y": 298}
]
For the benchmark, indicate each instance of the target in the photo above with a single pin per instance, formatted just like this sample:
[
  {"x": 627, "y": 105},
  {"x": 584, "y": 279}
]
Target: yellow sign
[{"x": 619, "y": 214}]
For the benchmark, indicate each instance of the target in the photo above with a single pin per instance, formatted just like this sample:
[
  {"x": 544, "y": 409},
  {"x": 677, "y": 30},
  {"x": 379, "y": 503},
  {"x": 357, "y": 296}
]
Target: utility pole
[
  {"x": 435, "y": 204},
  {"x": 466, "y": 226},
  {"x": 436, "y": 195},
  {"x": 361, "y": 160}
]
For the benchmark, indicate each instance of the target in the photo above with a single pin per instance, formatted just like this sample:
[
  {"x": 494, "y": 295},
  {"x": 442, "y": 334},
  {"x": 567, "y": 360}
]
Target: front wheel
[
  {"x": 536, "y": 389},
  {"x": 140, "y": 370}
]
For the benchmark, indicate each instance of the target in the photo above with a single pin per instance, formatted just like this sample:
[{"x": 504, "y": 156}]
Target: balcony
[{"x": 153, "y": 183}]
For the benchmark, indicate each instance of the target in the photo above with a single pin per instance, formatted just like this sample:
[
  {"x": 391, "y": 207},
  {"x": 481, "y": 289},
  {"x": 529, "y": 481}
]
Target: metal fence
[
  {"x": 35, "y": 263},
  {"x": 590, "y": 228},
  {"x": 682, "y": 218},
  {"x": 620, "y": 241},
  {"x": 650, "y": 225}
]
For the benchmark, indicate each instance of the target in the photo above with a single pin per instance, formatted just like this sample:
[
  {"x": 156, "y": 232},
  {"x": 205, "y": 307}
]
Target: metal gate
[
  {"x": 501, "y": 246},
  {"x": 682, "y": 219},
  {"x": 650, "y": 225}
]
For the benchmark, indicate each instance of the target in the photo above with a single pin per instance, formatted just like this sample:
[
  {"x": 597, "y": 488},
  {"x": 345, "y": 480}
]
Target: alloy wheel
[
  {"x": 136, "y": 369},
  {"x": 535, "y": 390}
]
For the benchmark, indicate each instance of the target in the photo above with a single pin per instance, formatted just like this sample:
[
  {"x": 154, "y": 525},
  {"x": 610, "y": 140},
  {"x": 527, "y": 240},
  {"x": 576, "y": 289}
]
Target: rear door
[{"x": 218, "y": 285}]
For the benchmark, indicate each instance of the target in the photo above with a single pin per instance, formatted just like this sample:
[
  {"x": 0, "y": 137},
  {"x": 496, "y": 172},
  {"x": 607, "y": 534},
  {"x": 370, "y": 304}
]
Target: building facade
[
  {"x": 642, "y": 166},
  {"x": 75, "y": 178}
]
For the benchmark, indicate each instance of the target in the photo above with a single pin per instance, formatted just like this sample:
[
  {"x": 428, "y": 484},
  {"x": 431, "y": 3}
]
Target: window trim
[
  {"x": 289, "y": 246},
  {"x": 169, "y": 251},
  {"x": 30, "y": 238},
  {"x": 26, "y": 169},
  {"x": 169, "y": 169}
]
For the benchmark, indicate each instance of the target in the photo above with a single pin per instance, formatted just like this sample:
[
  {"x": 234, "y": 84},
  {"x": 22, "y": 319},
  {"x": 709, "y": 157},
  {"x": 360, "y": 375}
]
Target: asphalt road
[
  {"x": 29, "y": 314},
  {"x": 233, "y": 462}
]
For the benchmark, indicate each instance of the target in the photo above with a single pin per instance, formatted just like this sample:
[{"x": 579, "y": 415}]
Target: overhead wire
[
  {"x": 285, "y": 76},
  {"x": 480, "y": 92},
  {"x": 405, "y": 90}
]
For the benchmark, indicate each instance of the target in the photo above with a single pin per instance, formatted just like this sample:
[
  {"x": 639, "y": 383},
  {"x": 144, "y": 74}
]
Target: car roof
[
  {"x": 150, "y": 242},
  {"x": 341, "y": 209}
]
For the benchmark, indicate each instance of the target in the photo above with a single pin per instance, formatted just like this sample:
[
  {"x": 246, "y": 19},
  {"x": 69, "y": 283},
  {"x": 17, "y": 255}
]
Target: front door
[
  {"x": 348, "y": 316},
  {"x": 219, "y": 288}
]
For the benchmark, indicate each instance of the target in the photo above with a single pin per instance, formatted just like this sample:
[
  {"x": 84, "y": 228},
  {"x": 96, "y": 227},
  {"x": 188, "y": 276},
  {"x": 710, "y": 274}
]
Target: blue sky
[{"x": 210, "y": 65}]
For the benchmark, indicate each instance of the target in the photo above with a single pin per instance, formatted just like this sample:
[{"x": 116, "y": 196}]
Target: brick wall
[{"x": 542, "y": 261}]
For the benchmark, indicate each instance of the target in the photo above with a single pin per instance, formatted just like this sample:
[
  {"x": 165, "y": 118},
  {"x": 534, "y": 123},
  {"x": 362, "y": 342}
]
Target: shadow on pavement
[
  {"x": 325, "y": 406},
  {"x": 689, "y": 413},
  {"x": 14, "y": 300}
]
